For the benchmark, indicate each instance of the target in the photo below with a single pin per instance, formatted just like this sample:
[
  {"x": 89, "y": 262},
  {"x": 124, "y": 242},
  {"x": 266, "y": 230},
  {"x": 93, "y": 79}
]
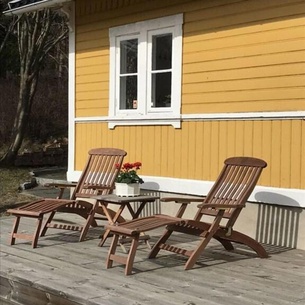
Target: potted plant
[{"x": 128, "y": 182}]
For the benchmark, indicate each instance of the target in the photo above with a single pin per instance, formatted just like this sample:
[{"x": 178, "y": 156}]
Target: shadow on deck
[{"x": 63, "y": 271}]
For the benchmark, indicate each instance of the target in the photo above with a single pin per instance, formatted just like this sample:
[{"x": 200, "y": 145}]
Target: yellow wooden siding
[
  {"x": 256, "y": 67},
  {"x": 238, "y": 56},
  {"x": 198, "y": 149}
]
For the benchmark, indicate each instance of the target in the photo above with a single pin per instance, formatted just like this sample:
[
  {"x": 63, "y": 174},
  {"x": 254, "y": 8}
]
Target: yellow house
[{"x": 182, "y": 85}]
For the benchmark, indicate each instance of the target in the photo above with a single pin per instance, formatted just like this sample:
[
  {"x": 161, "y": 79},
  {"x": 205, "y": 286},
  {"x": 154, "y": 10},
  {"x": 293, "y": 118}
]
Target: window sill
[{"x": 132, "y": 121}]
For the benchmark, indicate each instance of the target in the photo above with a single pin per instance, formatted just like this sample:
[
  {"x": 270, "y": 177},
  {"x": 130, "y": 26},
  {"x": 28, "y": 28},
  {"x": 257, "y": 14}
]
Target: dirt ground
[{"x": 10, "y": 181}]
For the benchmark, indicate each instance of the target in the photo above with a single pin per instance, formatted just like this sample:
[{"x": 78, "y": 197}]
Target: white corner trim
[
  {"x": 268, "y": 195},
  {"x": 71, "y": 91}
]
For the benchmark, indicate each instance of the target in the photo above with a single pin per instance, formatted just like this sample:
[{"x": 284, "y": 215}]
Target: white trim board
[
  {"x": 271, "y": 195},
  {"x": 143, "y": 32},
  {"x": 71, "y": 90},
  {"x": 34, "y": 6},
  {"x": 234, "y": 116},
  {"x": 272, "y": 115}
]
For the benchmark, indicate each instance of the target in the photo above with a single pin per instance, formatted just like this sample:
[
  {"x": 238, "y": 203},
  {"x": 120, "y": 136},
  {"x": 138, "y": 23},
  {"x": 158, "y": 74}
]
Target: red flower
[
  {"x": 137, "y": 165},
  {"x": 127, "y": 166},
  {"x": 128, "y": 173}
]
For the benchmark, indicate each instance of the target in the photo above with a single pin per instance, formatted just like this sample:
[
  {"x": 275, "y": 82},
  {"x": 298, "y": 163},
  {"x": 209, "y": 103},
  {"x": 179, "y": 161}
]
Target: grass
[{"x": 10, "y": 180}]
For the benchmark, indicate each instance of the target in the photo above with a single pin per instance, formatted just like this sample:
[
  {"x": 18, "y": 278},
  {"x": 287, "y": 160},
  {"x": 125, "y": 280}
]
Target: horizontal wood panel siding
[
  {"x": 250, "y": 56},
  {"x": 198, "y": 149},
  {"x": 92, "y": 54},
  {"x": 238, "y": 56}
]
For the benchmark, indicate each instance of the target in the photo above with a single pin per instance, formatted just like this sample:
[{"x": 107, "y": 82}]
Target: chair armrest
[
  {"x": 61, "y": 185},
  {"x": 220, "y": 206},
  {"x": 182, "y": 200},
  {"x": 99, "y": 188}
]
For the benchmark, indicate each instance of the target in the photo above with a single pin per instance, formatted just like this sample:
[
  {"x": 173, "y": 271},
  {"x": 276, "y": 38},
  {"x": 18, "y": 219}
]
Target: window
[{"x": 145, "y": 72}]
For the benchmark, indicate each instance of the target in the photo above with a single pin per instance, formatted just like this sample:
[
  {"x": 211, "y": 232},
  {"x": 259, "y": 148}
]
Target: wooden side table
[{"x": 123, "y": 202}]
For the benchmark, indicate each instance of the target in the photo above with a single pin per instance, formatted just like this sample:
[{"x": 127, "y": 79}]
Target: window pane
[
  {"x": 129, "y": 56},
  {"x": 128, "y": 92},
  {"x": 161, "y": 89},
  {"x": 162, "y": 52}
]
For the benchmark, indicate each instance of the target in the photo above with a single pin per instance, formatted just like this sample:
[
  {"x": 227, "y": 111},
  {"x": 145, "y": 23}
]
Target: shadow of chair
[{"x": 278, "y": 225}]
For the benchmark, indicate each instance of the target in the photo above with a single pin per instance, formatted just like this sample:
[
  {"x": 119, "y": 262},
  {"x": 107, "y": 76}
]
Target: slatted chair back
[
  {"x": 225, "y": 200},
  {"x": 233, "y": 187},
  {"x": 97, "y": 178},
  {"x": 102, "y": 168}
]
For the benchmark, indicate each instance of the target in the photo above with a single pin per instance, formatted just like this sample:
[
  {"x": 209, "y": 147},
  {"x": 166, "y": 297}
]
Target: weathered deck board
[{"x": 64, "y": 271}]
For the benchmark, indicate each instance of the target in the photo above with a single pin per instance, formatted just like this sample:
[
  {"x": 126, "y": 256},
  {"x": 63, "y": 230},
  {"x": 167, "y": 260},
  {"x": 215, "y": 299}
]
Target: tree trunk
[
  {"x": 34, "y": 41},
  {"x": 26, "y": 94}
]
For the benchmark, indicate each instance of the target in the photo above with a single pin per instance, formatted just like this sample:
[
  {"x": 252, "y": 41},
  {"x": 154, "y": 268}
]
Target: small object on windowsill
[{"x": 135, "y": 104}]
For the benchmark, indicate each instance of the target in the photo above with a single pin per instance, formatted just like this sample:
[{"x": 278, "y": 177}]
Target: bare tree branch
[
  {"x": 8, "y": 32},
  {"x": 35, "y": 41}
]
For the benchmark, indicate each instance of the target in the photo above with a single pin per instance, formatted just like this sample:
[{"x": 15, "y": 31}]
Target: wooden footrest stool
[
  {"x": 144, "y": 238},
  {"x": 36, "y": 210},
  {"x": 133, "y": 230}
]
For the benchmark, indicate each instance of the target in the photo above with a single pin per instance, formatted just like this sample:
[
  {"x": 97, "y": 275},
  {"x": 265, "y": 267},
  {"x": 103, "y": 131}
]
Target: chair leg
[
  {"x": 48, "y": 221},
  {"x": 34, "y": 237},
  {"x": 196, "y": 253},
  {"x": 226, "y": 243},
  {"x": 112, "y": 250},
  {"x": 206, "y": 239},
  {"x": 89, "y": 221},
  {"x": 156, "y": 248},
  {"x": 128, "y": 261},
  {"x": 14, "y": 230},
  {"x": 104, "y": 237},
  {"x": 131, "y": 255},
  {"x": 37, "y": 232},
  {"x": 250, "y": 242}
]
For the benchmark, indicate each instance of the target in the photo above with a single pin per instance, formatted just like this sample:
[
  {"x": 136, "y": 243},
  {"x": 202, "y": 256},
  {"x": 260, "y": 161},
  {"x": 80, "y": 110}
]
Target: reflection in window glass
[
  {"x": 162, "y": 52},
  {"x": 128, "y": 92},
  {"x": 128, "y": 74},
  {"x": 161, "y": 89},
  {"x": 129, "y": 56},
  {"x": 161, "y": 70}
]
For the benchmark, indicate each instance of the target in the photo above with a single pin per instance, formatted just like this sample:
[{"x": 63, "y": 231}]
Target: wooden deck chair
[
  {"x": 97, "y": 178},
  {"x": 223, "y": 203}
]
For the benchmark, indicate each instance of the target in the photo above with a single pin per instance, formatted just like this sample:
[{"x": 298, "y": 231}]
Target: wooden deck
[{"x": 62, "y": 271}]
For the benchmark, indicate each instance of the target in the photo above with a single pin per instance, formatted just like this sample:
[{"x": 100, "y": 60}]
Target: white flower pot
[{"x": 127, "y": 190}]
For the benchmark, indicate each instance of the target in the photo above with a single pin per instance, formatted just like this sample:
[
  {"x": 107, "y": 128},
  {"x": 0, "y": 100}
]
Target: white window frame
[{"x": 145, "y": 114}]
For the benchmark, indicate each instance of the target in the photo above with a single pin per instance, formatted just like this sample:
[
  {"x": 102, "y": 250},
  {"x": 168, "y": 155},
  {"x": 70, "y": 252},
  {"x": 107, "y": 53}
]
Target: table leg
[{"x": 111, "y": 220}]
